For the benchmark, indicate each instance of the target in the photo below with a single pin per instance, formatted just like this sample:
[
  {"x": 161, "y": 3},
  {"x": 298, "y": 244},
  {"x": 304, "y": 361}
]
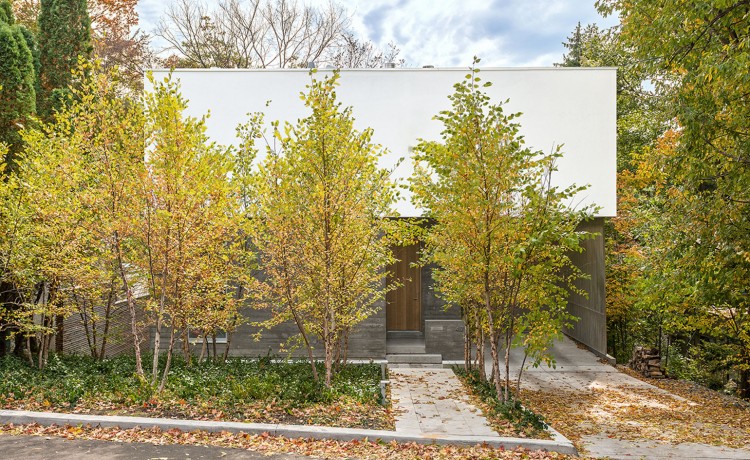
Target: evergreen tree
[
  {"x": 64, "y": 34},
  {"x": 574, "y": 46},
  {"x": 17, "y": 96},
  {"x": 6, "y": 12}
]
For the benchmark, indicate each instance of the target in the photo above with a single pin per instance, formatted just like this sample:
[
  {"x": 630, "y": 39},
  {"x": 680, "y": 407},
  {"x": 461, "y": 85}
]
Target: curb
[{"x": 558, "y": 444}]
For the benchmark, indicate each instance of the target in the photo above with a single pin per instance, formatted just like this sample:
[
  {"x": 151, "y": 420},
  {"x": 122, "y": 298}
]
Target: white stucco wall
[{"x": 570, "y": 106}]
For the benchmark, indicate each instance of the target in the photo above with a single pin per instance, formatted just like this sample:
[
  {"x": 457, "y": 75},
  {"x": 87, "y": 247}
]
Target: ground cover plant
[
  {"x": 507, "y": 418},
  {"x": 252, "y": 390}
]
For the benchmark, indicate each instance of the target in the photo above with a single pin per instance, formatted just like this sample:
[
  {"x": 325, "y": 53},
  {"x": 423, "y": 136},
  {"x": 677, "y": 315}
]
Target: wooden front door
[{"x": 404, "y": 304}]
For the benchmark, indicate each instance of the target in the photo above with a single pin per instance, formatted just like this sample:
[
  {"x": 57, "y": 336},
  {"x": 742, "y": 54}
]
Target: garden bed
[
  {"x": 244, "y": 390},
  {"x": 507, "y": 419}
]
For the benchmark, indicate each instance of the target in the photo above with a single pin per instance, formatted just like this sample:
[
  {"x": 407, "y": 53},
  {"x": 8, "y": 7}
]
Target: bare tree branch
[{"x": 265, "y": 33}]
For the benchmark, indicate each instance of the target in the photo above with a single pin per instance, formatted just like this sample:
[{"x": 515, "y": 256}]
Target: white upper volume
[{"x": 572, "y": 107}]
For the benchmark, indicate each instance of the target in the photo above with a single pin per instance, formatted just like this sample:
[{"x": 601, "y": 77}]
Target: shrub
[{"x": 520, "y": 417}]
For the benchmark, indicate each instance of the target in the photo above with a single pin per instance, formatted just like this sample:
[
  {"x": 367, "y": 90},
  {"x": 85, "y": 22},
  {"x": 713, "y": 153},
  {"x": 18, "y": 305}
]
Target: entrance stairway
[{"x": 407, "y": 349}]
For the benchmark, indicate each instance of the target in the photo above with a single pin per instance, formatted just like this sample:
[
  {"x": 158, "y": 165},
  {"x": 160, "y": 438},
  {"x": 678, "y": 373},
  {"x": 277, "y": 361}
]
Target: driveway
[{"x": 609, "y": 413}]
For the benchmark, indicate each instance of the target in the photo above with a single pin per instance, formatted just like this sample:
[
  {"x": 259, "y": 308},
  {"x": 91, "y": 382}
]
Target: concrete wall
[
  {"x": 591, "y": 328},
  {"x": 433, "y": 307},
  {"x": 119, "y": 336},
  {"x": 443, "y": 328},
  {"x": 366, "y": 342},
  {"x": 445, "y": 337}
]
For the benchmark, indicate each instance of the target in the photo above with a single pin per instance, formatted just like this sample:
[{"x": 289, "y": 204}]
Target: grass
[
  {"x": 254, "y": 390},
  {"x": 508, "y": 419}
]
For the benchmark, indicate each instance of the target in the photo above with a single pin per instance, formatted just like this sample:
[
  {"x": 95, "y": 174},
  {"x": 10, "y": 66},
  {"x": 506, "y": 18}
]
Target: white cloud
[{"x": 448, "y": 33}]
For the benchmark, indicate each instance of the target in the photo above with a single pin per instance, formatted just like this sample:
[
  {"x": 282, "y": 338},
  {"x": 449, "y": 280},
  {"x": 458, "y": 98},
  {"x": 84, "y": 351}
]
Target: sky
[{"x": 448, "y": 33}]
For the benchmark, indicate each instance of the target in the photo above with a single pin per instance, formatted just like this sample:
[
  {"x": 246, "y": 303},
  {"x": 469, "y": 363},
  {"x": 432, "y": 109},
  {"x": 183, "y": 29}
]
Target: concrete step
[
  {"x": 414, "y": 366},
  {"x": 417, "y": 358},
  {"x": 405, "y": 348},
  {"x": 404, "y": 335}
]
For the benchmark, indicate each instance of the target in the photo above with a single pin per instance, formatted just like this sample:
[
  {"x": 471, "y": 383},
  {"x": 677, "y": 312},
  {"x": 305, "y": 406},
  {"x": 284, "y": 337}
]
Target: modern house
[{"x": 570, "y": 106}]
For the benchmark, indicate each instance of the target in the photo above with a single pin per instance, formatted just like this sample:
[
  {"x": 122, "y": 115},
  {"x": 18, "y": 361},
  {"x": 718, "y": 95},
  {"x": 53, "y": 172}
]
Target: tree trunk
[
  {"x": 47, "y": 347},
  {"x": 328, "y": 346},
  {"x": 107, "y": 320},
  {"x": 169, "y": 361},
  {"x": 329, "y": 364},
  {"x": 743, "y": 387},
  {"x": 480, "y": 351},
  {"x": 204, "y": 346},
  {"x": 508, "y": 342},
  {"x": 131, "y": 307},
  {"x": 467, "y": 344},
  {"x": 28, "y": 350},
  {"x": 59, "y": 331},
  {"x": 186, "y": 346},
  {"x": 496, "y": 365},
  {"x": 42, "y": 342},
  {"x": 157, "y": 343},
  {"x": 301, "y": 327},
  {"x": 227, "y": 346},
  {"x": 346, "y": 346},
  {"x": 90, "y": 333},
  {"x": 105, "y": 333},
  {"x": 495, "y": 356},
  {"x": 520, "y": 372}
]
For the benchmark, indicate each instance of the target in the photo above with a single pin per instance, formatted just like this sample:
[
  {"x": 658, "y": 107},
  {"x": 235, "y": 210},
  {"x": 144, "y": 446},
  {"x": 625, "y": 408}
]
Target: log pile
[{"x": 648, "y": 362}]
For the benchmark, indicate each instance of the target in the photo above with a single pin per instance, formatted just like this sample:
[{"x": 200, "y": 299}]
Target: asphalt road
[{"x": 52, "y": 448}]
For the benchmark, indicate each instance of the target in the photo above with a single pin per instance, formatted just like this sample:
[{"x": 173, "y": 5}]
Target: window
[{"x": 195, "y": 336}]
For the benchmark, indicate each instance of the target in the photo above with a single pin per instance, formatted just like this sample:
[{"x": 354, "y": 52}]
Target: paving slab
[
  {"x": 432, "y": 401},
  {"x": 602, "y": 446}
]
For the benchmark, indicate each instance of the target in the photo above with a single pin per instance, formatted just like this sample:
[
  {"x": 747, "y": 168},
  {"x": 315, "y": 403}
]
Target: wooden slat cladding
[{"x": 404, "y": 304}]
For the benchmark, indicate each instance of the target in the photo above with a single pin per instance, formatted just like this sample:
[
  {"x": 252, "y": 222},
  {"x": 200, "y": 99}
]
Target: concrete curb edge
[{"x": 559, "y": 443}]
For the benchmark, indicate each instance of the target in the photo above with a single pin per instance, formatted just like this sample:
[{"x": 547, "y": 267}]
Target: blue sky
[{"x": 447, "y": 33}]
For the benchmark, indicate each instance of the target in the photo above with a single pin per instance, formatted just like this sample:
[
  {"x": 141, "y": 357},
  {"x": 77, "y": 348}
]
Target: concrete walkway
[
  {"x": 576, "y": 369},
  {"x": 581, "y": 383},
  {"x": 432, "y": 402}
]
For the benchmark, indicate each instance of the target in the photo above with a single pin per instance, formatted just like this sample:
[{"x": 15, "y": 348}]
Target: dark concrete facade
[
  {"x": 445, "y": 337},
  {"x": 591, "y": 327},
  {"x": 367, "y": 341},
  {"x": 443, "y": 328},
  {"x": 433, "y": 307}
]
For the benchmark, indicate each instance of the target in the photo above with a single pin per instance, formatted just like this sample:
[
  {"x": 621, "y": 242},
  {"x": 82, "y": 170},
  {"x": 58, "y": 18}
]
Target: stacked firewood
[{"x": 648, "y": 362}]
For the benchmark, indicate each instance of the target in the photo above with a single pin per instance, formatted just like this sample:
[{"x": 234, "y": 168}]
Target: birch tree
[
  {"x": 319, "y": 224},
  {"x": 71, "y": 213},
  {"x": 501, "y": 231},
  {"x": 106, "y": 130},
  {"x": 188, "y": 232}
]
